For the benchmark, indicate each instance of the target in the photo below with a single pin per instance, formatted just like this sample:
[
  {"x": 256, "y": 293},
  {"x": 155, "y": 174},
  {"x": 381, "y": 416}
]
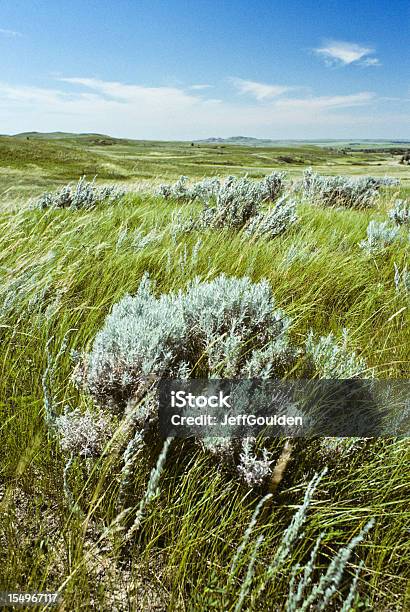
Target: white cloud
[
  {"x": 322, "y": 103},
  {"x": 371, "y": 61},
  {"x": 341, "y": 52},
  {"x": 140, "y": 94},
  {"x": 82, "y": 104},
  {"x": 199, "y": 87},
  {"x": 260, "y": 91},
  {"x": 9, "y": 33}
]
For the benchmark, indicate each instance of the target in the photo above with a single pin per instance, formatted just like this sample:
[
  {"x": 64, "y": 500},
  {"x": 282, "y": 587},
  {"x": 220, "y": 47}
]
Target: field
[
  {"x": 197, "y": 548},
  {"x": 33, "y": 163}
]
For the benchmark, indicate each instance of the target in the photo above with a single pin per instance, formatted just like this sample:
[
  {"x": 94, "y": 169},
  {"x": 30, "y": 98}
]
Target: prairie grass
[{"x": 60, "y": 274}]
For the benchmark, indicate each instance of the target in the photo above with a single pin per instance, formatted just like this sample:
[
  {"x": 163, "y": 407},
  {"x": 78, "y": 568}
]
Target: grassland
[
  {"x": 62, "y": 271},
  {"x": 32, "y": 163}
]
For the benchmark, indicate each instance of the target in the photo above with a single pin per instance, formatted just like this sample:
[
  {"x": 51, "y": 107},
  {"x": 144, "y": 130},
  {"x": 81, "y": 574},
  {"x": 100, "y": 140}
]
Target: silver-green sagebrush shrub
[
  {"x": 83, "y": 195},
  {"x": 227, "y": 327},
  {"x": 83, "y": 433},
  {"x": 179, "y": 190},
  {"x": 254, "y": 470},
  {"x": 237, "y": 203},
  {"x": 380, "y": 234},
  {"x": 333, "y": 359},
  {"x": 341, "y": 191},
  {"x": 275, "y": 221},
  {"x": 266, "y": 190},
  {"x": 273, "y": 186},
  {"x": 400, "y": 213},
  {"x": 224, "y": 328},
  {"x": 183, "y": 191}
]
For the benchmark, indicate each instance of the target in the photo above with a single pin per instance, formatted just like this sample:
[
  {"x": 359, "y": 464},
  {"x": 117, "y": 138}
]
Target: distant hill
[
  {"x": 268, "y": 142},
  {"x": 86, "y": 138},
  {"x": 239, "y": 140},
  {"x": 248, "y": 141},
  {"x": 59, "y": 135}
]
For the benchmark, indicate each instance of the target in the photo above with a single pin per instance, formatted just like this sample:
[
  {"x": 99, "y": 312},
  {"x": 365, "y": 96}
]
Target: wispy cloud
[
  {"x": 158, "y": 97},
  {"x": 84, "y": 104},
  {"x": 9, "y": 33},
  {"x": 199, "y": 87},
  {"x": 322, "y": 103},
  {"x": 341, "y": 52},
  {"x": 371, "y": 61},
  {"x": 260, "y": 91}
]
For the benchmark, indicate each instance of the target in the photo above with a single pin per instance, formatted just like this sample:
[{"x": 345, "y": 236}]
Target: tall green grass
[{"x": 61, "y": 272}]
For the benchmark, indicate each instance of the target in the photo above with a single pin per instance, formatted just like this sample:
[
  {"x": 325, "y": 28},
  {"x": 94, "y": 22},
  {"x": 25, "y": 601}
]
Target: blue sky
[{"x": 190, "y": 69}]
